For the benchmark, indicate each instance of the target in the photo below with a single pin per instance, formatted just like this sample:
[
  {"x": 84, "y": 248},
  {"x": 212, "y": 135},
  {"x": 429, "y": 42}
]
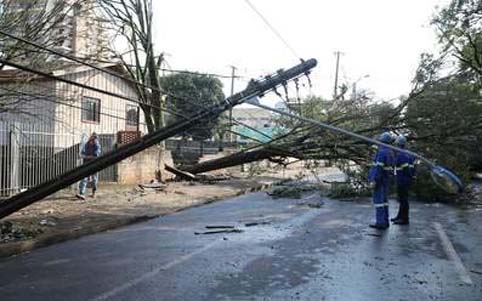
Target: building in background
[
  {"x": 76, "y": 28},
  {"x": 260, "y": 125}
]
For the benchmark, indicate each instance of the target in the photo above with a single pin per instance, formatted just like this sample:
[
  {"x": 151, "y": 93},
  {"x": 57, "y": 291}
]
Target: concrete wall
[{"x": 142, "y": 167}]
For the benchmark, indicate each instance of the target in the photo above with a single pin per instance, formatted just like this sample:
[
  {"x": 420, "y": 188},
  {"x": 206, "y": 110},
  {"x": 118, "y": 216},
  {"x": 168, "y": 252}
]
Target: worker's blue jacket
[
  {"x": 382, "y": 167},
  {"x": 91, "y": 149},
  {"x": 405, "y": 168}
]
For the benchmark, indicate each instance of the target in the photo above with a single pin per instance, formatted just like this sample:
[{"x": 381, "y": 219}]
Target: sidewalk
[{"x": 63, "y": 217}]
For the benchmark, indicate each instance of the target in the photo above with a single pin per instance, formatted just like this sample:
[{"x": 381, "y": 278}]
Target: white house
[{"x": 43, "y": 122}]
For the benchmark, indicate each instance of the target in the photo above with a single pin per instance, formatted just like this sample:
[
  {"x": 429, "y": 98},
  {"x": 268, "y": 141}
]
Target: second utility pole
[
  {"x": 335, "y": 90},
  {"x": 233, "y": 76}
]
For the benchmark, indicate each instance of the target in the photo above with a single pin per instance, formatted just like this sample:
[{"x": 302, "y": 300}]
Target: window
[
  {"x": 90, "y": 109},
  {"x": 132, "y": 115}
]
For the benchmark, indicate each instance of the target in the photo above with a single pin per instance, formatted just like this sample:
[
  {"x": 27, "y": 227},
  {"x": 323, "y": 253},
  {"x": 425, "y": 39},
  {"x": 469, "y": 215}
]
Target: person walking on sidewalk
[
  {"x": 379, "y": 177},
  {"x": 405, "y": 172},
  {"x": 90, "y": 151}
]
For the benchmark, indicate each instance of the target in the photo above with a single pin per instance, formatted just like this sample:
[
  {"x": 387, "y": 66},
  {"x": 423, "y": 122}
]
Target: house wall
[
  {"x": 112, "y": 109},
  {"x": 30, "y": 111}
]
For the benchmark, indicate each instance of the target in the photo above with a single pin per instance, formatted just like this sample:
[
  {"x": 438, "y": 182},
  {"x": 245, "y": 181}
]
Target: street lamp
[{"x": 354, "y": 85}]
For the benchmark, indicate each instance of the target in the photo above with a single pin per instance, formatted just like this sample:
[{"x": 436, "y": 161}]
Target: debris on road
[
  {"x": 374, "y": 234},
  {"x": 257, "y": 223},
  {"x": 293, "y": 190},
  {"x": 219, "y": 227},
  {"x": 476, "y": 272},
  {"x": 206, "y": 178},
  {"x": 48, "y": 222},
  {"x": 220, "y": 231},
  {"x": 183, "y": 175},
  {"x": 312, "y": 204},
  {"x": 10, "y": 232},
  {"x": 153, "y": 186}
]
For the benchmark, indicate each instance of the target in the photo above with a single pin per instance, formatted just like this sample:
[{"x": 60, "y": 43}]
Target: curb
[{"x": 17, "y": 248}]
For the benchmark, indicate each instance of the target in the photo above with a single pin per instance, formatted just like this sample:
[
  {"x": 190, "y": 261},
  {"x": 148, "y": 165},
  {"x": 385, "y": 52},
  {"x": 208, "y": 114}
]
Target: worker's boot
[
  {"x": 393, "y": 219},
  {"x": 381, "y": 219},
  {"x": 403, "y": 220}
]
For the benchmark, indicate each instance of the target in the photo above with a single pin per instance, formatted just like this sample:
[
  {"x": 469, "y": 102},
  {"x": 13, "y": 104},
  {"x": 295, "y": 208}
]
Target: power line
[
  {"x": 170, "y": 70},
  {"x": 75, "y": 59},
  {"x": 272, "y": 28},
  {"x": 70, "y": 82},
  {"x": 82, "y": 62},
  {"x": 100, "y": 91},
  {"x": 78, "y": 60},
  {"x": 53, "y": 100},
  {"x": 50, "y": 76}
]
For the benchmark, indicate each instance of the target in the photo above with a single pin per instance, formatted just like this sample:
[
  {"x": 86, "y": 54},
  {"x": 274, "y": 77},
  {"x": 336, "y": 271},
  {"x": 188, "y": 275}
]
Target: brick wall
[{"x": 141, "y": 168}]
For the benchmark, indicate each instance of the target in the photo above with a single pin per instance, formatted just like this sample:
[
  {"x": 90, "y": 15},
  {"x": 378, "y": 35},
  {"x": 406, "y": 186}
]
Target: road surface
[{"x": 299, "y": 253}]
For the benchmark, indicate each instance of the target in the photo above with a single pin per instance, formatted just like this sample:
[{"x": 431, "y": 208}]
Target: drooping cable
[{"x": 272, "y": 28}]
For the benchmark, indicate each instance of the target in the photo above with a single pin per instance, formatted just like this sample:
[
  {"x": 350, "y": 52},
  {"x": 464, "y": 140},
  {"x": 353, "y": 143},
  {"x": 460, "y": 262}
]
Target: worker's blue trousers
[{"x": 380, "y": 200}]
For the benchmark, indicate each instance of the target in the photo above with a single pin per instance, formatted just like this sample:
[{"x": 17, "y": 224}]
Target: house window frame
[
  {"x": 96, "y": 114},
  {"x": 128, "y": 121}
]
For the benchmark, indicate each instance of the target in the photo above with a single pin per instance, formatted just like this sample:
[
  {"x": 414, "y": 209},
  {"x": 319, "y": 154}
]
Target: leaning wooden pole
[{"x": 255, "y": 88}]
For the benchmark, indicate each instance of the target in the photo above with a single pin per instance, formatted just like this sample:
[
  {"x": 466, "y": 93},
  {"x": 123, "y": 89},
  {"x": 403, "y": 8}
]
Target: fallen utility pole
[{"x": 254, "y": 88}]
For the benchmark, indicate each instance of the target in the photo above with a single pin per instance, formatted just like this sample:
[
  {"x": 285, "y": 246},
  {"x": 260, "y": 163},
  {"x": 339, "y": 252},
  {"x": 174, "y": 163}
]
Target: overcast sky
[{"x": 382, "y": 38}]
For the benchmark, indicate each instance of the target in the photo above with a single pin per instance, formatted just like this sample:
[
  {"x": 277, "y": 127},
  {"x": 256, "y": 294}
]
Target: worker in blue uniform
[
  {"x": 379, "y": 177},
  {"x": 405, "y": 172}
]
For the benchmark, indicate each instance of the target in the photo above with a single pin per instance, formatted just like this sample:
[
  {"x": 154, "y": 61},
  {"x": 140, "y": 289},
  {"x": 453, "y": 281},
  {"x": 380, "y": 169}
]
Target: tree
[
  {"x": 191, "y": 89},
  {"x": 308, "y": 142},
  {"x": 132, "y": 21},
  {"x": 33, "y": 20},
  {"x": 38, "y": 21},
  {"x": 459, "y": 27},
  {"x": 445, "y": 122}
]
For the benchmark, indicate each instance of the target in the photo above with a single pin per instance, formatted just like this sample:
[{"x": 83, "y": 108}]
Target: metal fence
[{"x": 29, "y": 158}]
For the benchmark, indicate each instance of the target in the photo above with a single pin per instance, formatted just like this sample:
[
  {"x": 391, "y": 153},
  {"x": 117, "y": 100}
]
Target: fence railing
[{"x": 29, "y": 158}]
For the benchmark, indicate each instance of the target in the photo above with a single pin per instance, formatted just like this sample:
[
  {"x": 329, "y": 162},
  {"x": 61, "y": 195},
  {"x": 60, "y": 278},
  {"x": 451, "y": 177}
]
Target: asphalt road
[{"x": 300, "y": 253}]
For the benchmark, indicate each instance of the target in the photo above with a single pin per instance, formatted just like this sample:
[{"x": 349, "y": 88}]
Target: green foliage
[
  {"x": 426, "y": 189},
  {"x": 446, "y": 121},
  {"x": 348, "y": 190},
  {"x": 459, "y": 27},
  {"x": 202, "y": 90},
  {"x": 255, "y": 169},
  {"x": 291, "y": 192}
]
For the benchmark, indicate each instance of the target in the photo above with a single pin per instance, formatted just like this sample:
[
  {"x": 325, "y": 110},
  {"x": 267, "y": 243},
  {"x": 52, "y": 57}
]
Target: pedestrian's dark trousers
[{"x": 403, "y": 199}]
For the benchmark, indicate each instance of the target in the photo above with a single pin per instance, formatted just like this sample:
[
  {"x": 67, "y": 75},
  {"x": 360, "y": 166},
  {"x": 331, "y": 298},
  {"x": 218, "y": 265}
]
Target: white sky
[{"x": 382, "y": 38}]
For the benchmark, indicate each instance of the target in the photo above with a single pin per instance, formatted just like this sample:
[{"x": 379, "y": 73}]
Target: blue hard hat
[
  {"x": 385, "y": 137},
  {"x": 401, "y": 140}
]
